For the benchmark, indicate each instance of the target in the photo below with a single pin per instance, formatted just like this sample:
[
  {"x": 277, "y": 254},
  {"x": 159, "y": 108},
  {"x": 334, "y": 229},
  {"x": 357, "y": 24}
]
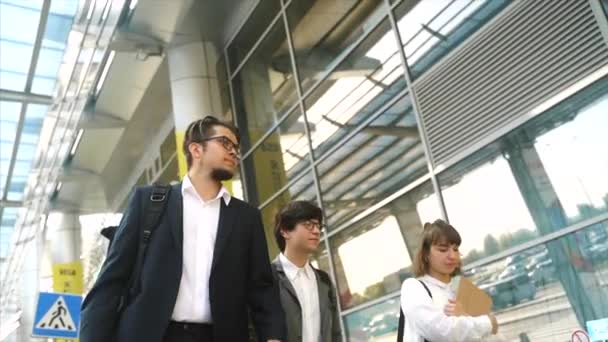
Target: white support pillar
[{"x": 194, "y": 88}]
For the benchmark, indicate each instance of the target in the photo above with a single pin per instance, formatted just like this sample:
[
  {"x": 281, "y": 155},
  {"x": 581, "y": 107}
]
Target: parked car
[
  {"x": 598, "y": 252},
  {"x": 543, "y": 273},
  {"x": 382, "y": 324},
  {"x": 516, "y": 259},
  {"x": 537, "y": 259},
  {"x": 511, "y": 290},
  {"x": 511, "y": 271}
]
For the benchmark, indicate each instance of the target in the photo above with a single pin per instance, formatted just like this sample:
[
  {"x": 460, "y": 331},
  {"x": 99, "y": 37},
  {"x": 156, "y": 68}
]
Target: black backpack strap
[
  {"x": 401, "y": 325},
  {"x": 152, "y": 211},
  {"x": 426, "y": 288},
  {"x": 402, "y": 317}
]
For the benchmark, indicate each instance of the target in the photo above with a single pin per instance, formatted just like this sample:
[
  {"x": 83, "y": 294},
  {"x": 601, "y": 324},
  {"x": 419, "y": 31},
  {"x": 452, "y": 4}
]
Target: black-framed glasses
[
  {"x": 226, "y": 143},
  {"x": 310, "y": 225}
]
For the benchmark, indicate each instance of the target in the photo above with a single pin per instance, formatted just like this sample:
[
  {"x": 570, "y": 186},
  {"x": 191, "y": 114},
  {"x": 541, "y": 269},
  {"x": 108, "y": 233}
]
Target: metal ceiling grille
[{"x": 533, "y": 51}]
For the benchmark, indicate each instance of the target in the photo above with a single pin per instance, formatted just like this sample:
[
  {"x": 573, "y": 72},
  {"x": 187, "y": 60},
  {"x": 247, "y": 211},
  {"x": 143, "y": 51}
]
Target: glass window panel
[
  {"x": 26, "y": 152},
  {"x": 43, "y": 85},
  {"x": 236, "y": 185},
  {"x": 58, "y": 27},
  {"x": 36, "y": 110},
  {"x": 32, "y": 125},
  {"x": 378, "y": 161},
  {"x": 18, "y": 23},
  {"x": 389, "y": 236},
  {"x": 10, "y": 112},
  {"x": 281, "y": 157},
  {"x": 57, "y": 30},
  {"x": 15, "y": 57},
  {"x": 322, "y": 30},
  {"x": 258, "y": 21},
  {"x": 22, "y": 168},
  {"x": 169, "y": 174},
  {"x": 545, "y": 175},
  {"x": 29, "y": 138},
  {"x": 376, "y": 323},
  {"x": 30, "y": 4},
  {"x": 168, "y": 148},
  {"x": 351, "y": 95},
  {"x": 431, "y": 29},
  {"x": 8, "y": 132},
  {"x": 49, "y": 62},
  {"x": 12, "y": 80},
  {"x": 16, "y": 188},
  {"x": 320, "y": 259},
  {"x": 532, "y": 300},
  {"x": 4, "y": 166},
  {"x": 263, "y": 92},
  {"x": 64, "y": 8},
  {"x": 271, "y": 209}
]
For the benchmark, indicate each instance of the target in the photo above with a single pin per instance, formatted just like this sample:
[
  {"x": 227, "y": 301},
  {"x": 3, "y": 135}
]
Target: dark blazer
[
  {"x": 328, "y": 306},
  {"x": 241, "y": 278}
]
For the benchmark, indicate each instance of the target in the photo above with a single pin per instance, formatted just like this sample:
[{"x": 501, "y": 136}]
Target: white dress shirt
[
  {"x": 424, "y": 317},
  {"x": 304, "y": 281},
  {"x": 200, "y": 222}
]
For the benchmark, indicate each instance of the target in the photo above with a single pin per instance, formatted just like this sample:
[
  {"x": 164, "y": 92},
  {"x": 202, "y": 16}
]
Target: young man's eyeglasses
[
  {"x": 310, "y": 225},
  {"x": 226, "y": 143}
]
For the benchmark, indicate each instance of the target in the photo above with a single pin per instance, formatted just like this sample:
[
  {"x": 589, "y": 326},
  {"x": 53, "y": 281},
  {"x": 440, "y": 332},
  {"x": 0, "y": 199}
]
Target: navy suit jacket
[{"x": 241, "y": 282}]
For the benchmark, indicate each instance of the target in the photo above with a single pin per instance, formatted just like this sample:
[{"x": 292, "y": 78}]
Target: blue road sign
[
  {"x": 598, "y": 329},
  {"x": 57, "y": 315}
]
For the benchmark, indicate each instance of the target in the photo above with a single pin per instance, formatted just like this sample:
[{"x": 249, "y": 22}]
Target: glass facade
[{"x": 324, "y": 95}]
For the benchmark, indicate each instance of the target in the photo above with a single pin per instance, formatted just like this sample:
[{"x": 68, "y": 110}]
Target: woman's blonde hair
[{"x": 434, "y": 233}]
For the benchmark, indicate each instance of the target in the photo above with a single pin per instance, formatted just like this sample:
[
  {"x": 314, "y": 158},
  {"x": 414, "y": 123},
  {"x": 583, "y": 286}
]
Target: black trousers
[{"x": 188, "y": 332}]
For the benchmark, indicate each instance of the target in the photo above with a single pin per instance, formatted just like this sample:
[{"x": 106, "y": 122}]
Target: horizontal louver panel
[{"x": 530, "y": 53}]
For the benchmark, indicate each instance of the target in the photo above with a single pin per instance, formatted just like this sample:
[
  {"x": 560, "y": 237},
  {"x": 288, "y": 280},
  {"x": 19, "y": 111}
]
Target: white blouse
[{"x": 425, "y": 319}]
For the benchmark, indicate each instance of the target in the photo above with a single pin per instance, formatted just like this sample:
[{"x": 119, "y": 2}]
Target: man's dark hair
[
  {"x": 202, "y": 129},
  {"x": 292, "y": 214}
]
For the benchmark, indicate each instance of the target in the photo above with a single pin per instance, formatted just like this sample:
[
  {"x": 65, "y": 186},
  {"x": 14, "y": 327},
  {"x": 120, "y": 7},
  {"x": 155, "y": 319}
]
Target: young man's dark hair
[
  {"x": 292, "y": 214},
  {"x": 200, "y": 131}
]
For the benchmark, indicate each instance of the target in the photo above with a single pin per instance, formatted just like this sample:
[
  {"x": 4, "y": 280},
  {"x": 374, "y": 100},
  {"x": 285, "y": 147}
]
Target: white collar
[
  {"x": 292, "y": 270},
  {"x": 428, "y": 279},
  {"x": 223, "y": 193}
]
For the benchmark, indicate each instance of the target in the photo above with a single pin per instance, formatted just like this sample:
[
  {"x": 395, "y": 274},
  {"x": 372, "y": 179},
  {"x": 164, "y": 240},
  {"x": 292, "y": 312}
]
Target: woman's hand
[
  {"x": 454, "y": 308},
  {"x": 494, "y": 324}
]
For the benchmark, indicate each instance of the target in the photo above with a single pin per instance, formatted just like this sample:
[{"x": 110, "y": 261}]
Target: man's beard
[{"x": 221, "y": 175}]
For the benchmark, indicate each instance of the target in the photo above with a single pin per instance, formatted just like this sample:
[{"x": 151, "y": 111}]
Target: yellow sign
[{"x": 68, "y": 278}]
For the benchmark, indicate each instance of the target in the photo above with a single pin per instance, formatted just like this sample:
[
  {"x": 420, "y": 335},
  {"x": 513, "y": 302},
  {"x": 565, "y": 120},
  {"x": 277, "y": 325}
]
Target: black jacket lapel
[{"x": 224, "y": 228}]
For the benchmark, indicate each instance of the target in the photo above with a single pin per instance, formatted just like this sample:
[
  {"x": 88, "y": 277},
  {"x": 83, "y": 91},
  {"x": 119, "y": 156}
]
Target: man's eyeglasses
[
  {"x": 310, "y": 225},
  {"x": 226, "y": 143}
]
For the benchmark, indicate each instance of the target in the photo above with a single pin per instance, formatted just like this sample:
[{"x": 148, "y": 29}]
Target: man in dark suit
[
  {"x": 206, "y": 269},
  {"x": 307, "y": 294}
]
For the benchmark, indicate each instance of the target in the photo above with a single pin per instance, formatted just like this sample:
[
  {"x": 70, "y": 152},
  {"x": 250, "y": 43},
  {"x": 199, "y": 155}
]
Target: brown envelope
[{"x": 475, "y": 302}]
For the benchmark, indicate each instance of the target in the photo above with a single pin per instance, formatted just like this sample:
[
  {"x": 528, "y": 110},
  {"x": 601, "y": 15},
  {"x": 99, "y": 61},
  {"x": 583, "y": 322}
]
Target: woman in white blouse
[{"x": 428, "y": 303}]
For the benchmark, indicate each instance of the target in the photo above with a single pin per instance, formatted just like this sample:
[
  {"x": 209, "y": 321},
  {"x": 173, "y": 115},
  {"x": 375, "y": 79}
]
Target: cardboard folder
[{"x": 475, "y": 301}]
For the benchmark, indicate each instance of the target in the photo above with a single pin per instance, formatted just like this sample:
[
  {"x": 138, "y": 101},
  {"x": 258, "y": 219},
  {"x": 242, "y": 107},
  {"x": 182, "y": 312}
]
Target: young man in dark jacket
[{"x": 307, "y": 294}]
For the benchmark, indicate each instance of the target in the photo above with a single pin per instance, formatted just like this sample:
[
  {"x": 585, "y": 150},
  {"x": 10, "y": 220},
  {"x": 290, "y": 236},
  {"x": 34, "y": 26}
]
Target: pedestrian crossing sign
[{"x": 57, "y": 315}]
